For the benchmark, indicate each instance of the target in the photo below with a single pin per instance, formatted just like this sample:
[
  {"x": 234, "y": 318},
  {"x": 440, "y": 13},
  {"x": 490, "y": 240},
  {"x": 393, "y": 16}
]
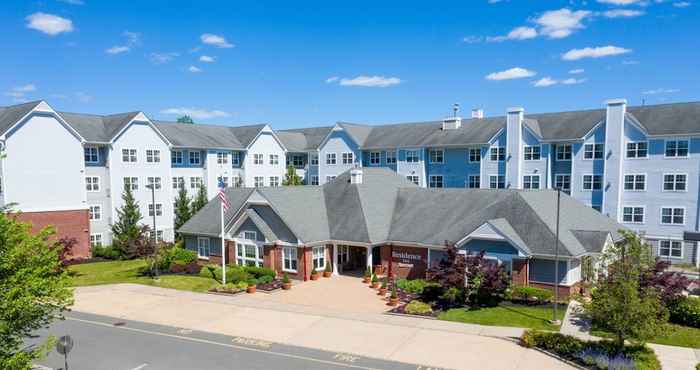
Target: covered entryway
[{"x": 352, "y": 260}]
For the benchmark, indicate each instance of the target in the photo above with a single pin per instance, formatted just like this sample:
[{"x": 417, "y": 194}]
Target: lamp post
[
  {"x": 555, "y": 319},
  {"x": 155, "y": 232}
]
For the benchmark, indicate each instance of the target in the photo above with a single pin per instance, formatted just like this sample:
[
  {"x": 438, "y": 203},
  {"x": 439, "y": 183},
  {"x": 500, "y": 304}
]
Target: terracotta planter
[
  {"x": 366, "y": 279},
  {"x": 382, "y": 291},
  {"x": 314, "y": 277},
  {"x": 251, "y": 289},
  {"x": 327, "y": 274},
  {"x": 286, "y": 286},
  {"x": 393, "y": 301},
  {"x": 375, "y": 285}
]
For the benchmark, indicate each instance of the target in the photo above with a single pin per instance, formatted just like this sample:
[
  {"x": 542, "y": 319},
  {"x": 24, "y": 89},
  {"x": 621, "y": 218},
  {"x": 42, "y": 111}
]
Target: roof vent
[
  {"x": 356, "y": 175},
  {"x": 451, "y": 123},
  {"x": 477, "y": 113}
]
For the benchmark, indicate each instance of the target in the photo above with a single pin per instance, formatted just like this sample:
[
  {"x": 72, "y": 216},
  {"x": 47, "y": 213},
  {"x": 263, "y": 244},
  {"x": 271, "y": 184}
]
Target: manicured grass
[
  {"x": 114, "y": 272},
  {"x": 534, "y": 317},
  {"x": 677, "y": 335}
]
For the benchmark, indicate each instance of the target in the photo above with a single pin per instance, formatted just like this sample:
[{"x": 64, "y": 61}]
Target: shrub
[
  {"x": 385, "y": 282},
  {"x": 415, "y": 286},
  {"x": 234, "y": 273},
  {"x": 685, "y": 311},
  {"x": 328, "y": 267},
  {"x": 192, "y": 268},
  {"x": 258, "y": 272},
  {"x": 210, "y": 271},
  {"x": 531, "y": 294},
  {"x": 242, "y": 285},
  {"x": 394, "y": 294},
  {"x": 368, "y": 272},
  {"x": 177, "y": 267},
  {"x": 106, "y": 252},
  {"x": 252, "y": 281},
  {"x": 182, "y": 255},
  {"x": 375, "y": 279},
  {"x": 416, "y": 307},
  {"x": 285, "y": 278},
  {"x": 265, "y": 279},
  {"x": 431, "y": 292}
]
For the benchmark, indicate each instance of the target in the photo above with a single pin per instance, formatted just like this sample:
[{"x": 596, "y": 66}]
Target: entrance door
[{"x": 352, "y": 260}]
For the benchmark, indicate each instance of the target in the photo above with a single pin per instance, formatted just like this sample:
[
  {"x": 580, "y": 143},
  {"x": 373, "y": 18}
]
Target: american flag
[{"x": 222, "y": 196}]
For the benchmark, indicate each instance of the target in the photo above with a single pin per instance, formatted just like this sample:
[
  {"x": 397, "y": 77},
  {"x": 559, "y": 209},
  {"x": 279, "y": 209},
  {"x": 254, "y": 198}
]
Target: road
[{"x": 113, "y": 344}]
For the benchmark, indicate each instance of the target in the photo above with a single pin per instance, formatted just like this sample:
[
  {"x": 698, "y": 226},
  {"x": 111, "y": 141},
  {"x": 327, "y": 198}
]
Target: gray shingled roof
[
  {"x": 185, "y": 135},
  {"x": 96, "y": 128},
  {"x": 668, "y": 119},
  {"x": 564, "y": 125},
  {"x": 12, "y": 114},
  {"x": 303, "y": 139}
]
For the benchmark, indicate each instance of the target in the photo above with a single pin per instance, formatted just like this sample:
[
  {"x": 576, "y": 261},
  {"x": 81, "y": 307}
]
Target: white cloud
[
  {"x": 660, "y": 91},
  {"x": 73, "y": 2},
  {"x": 49, "y": 24},
  {"x": 162, "y": 58},
  {"x": 215, "y": 40},
  {"x": 196, "y": 113},
  {"x": 330, "y": 80},
  {"x": 576, "y": 71},
  {"x": 117, "y": 49},
  {"x": 557, "y": 24},
  {"x": 622, "y": 2},
  {"x": 510, "y": 74},
  {"x": 622, "y": 13},
  {"x": 207, "y": 59},
  {"x": 368, "y": 81},
  {"x": 596, "y": 52},
  {"x": 83, "y": 97},
  {"x": 21, "y": 91},
  {"x": 518, "y": 33},
  {"x": 472, "y": 39},
  {"x": 573, "y": 81},
  {"x": 132, "y": 39},
  {"x": 544, "y": 82},
  {"x": 681, "y": 4},
  {"x": 630, "y": 62},
  {"x": 194, "y": 69}
]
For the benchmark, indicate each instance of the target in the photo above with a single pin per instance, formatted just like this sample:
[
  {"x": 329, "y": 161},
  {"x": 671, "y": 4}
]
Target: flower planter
[
  {"x": 314, "y": 277},
  {"x": 382, "y": 291},
  {"x": 393, "y": 301},
  {"x": 286, "y": 286},
  {"x": 251, "y": 289},
  {"x": 375, "y": 285},
  {"x": 366, "y": 280},
  {"x": 327, "y": 274}
]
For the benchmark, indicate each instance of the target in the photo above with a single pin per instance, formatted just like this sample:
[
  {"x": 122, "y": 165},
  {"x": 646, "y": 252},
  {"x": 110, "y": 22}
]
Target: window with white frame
[
  {"x": 435, "y": 181},
  {"x": 129, "y": 155},
  {"x": 248, "y": 254},
  {"x": 159, "y": 235},
  {"x": 675, "y": 182},
  {"x": 592, "y": 182},
  {"x": 237, "y": 181},
  {"x": 672, "y": 216},
  {"x": 236, "y": 158},
  {"x": 331, "y": 158},
  {"x": 677, "y": 148},
  {"x": 298, "y": 161},
  {"x": 531, "y": 182},
  {"x": 593, "y": 151},
  {"x": 274, "y": 181},
  {"x": 532, "y": 153},
  {"x": 414, "y": 179},
  {"x": 196, "y": 182},
  {"x": 330, "y": 178},
  {"x": 563, "y": 182},
  {"x": 159, "y": 209},
  {"x": 152, "y": 156},
  {"x": 155, "y": 182},
  {"x": 249, "y": 235},
  {"x": 92, "y": 154},
  {"x": 563, "y": 152},
  {"x": 436, "y": 156},
  {"x": 274, "y": 159},
  {"x": 222, "y": 180},
  {"x": 412, "y": 156},
  {"x": 375, "y": 158},
  {"x": 178, "y": 183},
  {"x": 92, "y": 183},
  {"x": 96, "y": 240},
  {"x": 221, "y": 158},
  {"x": 390, "y": 157},
  {"x": 314, "y": 180},
  {"x": 497, "y": 153},
  {"x": 348, "y": 158},
  {"x": 497, "y": 182},
  {"x": 635, "y": 182},
  {"x": 671, "y": 248},
  {"x": 314, "y": 159},
  {"x": 289, "y": 259},
  {"x": 195, "y": 158},
  {"x": 474, "y": 155},
  {"x": 319, "y": 258},
  {"x": 176, "y": 157},
  {"x": 258, "y": 159},
  {"x": 638, "y": 149},
  {"x": 95, "y": 213},
  {"x": 203, "y": 247},
  {"x": 259, "y": 181},
  {"x": 633, "y": 215},
  {"x": 131, "y": 183},
  {"x": 474, "y": 182}
]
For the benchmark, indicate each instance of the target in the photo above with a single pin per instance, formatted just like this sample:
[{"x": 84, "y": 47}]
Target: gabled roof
[
  {"x": 12, "y": 114},
  {"x": 97, "y": 128},
  {"x": 185, "y": 135},
  {"x": 564, "y": 125},
  {"x": 303, "y": 139},
  {"x": 668, "y": 119}
]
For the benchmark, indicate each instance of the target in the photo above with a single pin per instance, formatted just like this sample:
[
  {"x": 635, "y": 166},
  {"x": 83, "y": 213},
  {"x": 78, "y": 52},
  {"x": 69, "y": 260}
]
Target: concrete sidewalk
[{"x": 411, "y": 340}]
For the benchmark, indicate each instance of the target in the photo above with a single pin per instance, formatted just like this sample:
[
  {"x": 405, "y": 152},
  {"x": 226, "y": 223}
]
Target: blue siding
[
  {"x": 186, "y": 159},
  {"x": 543, "y": 271},
  {"x": 248, "y": 225},
  {"x": 490, "y": 246},
  {"x": 102, "y": 153},
  {"x": 214, "y": 244}
]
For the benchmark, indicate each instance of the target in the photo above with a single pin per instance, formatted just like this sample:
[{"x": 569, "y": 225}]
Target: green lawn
[
  {"x": 533, "y": 317},
  {"x": 681, "y": 336},
  {"x": 114, "y": 272}
]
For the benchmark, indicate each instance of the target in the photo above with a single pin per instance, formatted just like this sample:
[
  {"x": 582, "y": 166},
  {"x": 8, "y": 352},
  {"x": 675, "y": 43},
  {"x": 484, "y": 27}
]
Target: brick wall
[
  {"x": 519, "y": 274},
  {"x": 408, "y": 268},
  {"x": 75, "y": 224},
  {"x": 564, "y": 291}
]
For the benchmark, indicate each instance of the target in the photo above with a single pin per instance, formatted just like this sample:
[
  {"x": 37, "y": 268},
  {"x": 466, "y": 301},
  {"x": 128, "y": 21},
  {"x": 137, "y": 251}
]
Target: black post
[{"x": 555, "y": 320}]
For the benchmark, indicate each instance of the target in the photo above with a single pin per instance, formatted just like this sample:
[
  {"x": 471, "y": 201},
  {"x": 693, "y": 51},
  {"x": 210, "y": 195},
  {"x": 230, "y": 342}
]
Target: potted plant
[
  {"x": 252, "y": 285},
  {"x": 328, "y": 271},
  {"x": 314, "y": 274},
  {"x": 383, "y": 288},
  {"x": 367, "y": 276},
  {"x": 286, "y": 282},
  {"x": 394, "y": 297},
  {"x": 375, "y": 281}
]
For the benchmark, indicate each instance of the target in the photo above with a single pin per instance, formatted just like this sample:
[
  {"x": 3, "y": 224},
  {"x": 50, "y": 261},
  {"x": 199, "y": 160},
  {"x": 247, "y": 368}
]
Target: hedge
[
  {"x": 531, "y": 294},
  {"x": 416, "y": 307},
  {"x": 685, "y": 311},
  {"x": 234, "y": 274}
]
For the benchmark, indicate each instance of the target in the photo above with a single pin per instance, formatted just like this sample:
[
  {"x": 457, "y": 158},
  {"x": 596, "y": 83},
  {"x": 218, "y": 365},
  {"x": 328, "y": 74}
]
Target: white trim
[
  {"x": 622, "y": 214},
  {"x": 99, "y": 185},
  {"x": 670, "y": 256},
  {"x": 636, "y": 149},
  {"x": 267, "y": 128},
  {"x": 442, "y": 181},
  {"x": 52, "y": 112},
  {"x": 99, "y": 212},
  {"x": 352, "y": 157},
  {"x": 634, "y": 182},
  {"x": 430, "y": 157},
  {"x": 563, "y": 174},
  {"x": 556, "y": 152},
  {"x": 95, "y": 235},
  {"x": 335, "y": 158},
  {"x": 531, "y": 154},
  {"x": 583, "y": 151},
  {"x": 687, "y": 156},
  {"x": 379, "y": 157},
  {"x": 284, "y": 257},
  {"x": 469, "y": 154},
  {"x": 154, "y": 156},
  {"x": 592, "y": 189},
  {"x": 208, "y": 239},
  {"x": 140, "y": 117},
  {"x": 136, "y": 155},
  {"x": 97, "y": 152},
  {"x": 497, "y": 176},
  {"x": 663, "y": 182},
  {"x": 532, "y": 176},
  {"x": 661, "y": 215}
]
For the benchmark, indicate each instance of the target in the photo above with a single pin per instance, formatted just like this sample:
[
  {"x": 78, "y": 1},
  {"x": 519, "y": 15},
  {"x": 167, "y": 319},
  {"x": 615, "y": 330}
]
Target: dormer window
[
  {"x": 92, "y": 154},
  {"x": 195, "y": 158},
  {"x": 176, "y": 157},
  {"x": 677, "y": 148}
]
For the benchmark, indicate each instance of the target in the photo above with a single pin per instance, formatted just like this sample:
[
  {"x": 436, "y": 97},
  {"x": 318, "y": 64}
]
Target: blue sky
[{"x": 298, "y": 64}]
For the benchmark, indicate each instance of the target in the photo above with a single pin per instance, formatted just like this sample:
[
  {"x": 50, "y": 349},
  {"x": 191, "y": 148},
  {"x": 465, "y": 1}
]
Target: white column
[
  {"x": 369, "y": 258},
  {"x": 335, "y": 259}
]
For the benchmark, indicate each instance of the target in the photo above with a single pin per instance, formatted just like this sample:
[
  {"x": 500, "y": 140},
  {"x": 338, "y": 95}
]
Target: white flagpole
[{"x": 223, "y": 246}]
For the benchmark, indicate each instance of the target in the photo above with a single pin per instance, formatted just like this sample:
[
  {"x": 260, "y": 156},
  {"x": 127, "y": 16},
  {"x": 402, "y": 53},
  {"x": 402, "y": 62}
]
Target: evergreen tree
[
  {"x": 126, "y": 230},
  {"x": 291, "y": 178},
  {"x": 200, "y": 200},
  {"x": 185, "y": 119},
  {"x": 182, "y": 209}
]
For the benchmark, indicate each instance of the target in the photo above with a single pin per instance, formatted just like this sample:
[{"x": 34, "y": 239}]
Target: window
[
  {"x": 474, "y": 182},
  {"x": 531, "y": 182},
  {"x": 593, "y": 151},
  {"x": 637, "y": 149},
  {"x": 412, "y": 156},
  {"x": 258, "y": 159},
  {"x": 131, "y": 182},
  {"x": 671, "y": 248},
  {"x": 203, "y": 248},
  {"x": 129, "y": 155},
  {"x": 532, "y": 153},
  {"x": 330, "y": 158},
  {"x": 95, "y": 240},
  {"x": 475, "y": 155},
  {"x": 289, "y": 259},
  {"x": 435, "y": 181},
  {"x": 155, "y": 182},
  {"x": 498, "y": 153},
  {"x": 195, "y": 158},
  {"x": 298, "y": 161},
  {"x": 675, "y": 182},
  {"x": 152, "y": 156},
  {"x": 635, "y": 182},
  {"x": 677, "y": 148},
  {"x": 249, "y": 235},
  {"x": 330, "y": 178},
  {"x": 314, "y": 180},
  {"x": 592, "y": 182},
  {"x": 237, "y": 181},
  {"x": 159, "y": 209},
  {"x": 92, "y": 183},
  {"x": 672, "y": 216},
  {"x": 563, "y": 152},
  {"x": 314, "y": 159},
  {"x": 274, "y": 181},
  {"x": 258, "y": 181},
  {"x": 563, "y": 182},
  {"x": 236, "y": 158},
  {"x": 95, "y": 213},
  {"x": 249, "y": 255},
  {"x": 221, "y": 158},
  {"x": 92, "y": 154},
  {"x": 222, "y": 180},
  {"x": 274, "y": 159},
  {"x": 634, "y": 215},
  {"x": 178, "y": 183},
  {"x": 348, "y": 158},
  {"x": 176, "y": 157},
  {"x": 159, "y": 235},
  {"x": 319, "y": 258},
  {"x": 375, "y": 158},
  {"x": 435, "y": 155},
  {"x": 196, "y": 182},
  {"x": 390, "y": 157},
  {"x": 497, "y": 182},
  {"x": 414, "y": 179}
]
